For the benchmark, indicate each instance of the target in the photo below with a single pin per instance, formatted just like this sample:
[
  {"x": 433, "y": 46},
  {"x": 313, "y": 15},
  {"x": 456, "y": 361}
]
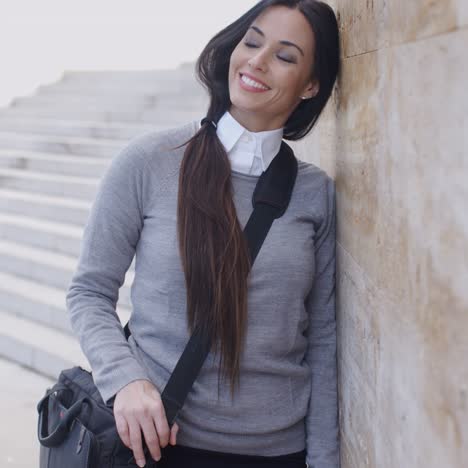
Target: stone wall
[{"x": 394, "y": 138}]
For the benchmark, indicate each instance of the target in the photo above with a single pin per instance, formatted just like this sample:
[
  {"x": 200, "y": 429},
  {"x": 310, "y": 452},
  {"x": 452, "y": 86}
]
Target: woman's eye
[
  {"x": 250, "y": 45},
  {"x": 286, "y": 60}
]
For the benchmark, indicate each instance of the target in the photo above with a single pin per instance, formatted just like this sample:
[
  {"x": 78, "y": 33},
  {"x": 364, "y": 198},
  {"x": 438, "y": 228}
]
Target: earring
[{"x": 303, "y": 97}]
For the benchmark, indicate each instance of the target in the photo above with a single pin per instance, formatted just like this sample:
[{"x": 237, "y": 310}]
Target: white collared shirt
[{"x": 249, "y": 152}]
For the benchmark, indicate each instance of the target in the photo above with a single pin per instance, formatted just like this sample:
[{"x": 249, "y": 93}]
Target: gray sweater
[{"x": 288, "y": 388}]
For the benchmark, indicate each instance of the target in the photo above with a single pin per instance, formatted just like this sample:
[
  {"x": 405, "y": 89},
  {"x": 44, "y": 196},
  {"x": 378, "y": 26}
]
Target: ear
[{"x": 311, "y": 89}]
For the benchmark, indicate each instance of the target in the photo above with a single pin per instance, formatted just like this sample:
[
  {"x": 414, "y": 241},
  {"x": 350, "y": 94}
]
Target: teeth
[{"x": 252, "y": 82}]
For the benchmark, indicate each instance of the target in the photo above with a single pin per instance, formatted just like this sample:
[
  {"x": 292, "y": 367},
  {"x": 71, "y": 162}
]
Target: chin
[
  {"x": 245, "y": 103},
  {"x": 248, "y": 109}
]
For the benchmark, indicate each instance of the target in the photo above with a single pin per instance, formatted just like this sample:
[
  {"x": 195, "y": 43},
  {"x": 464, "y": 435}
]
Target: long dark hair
[{"x": 212, "y": 246}]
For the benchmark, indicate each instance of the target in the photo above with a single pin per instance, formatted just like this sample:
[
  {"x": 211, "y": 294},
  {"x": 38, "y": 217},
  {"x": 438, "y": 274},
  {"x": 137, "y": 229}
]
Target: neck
[{"x": 253, "y": 123}]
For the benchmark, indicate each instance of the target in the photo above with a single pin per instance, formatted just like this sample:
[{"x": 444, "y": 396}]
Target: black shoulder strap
[{"x": 270, "y": 200}]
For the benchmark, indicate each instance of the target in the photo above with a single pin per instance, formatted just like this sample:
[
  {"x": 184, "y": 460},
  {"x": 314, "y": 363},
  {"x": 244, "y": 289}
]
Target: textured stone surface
[
  {"x": 394, "y": 137},
  {"x": 369, "y": 25}
]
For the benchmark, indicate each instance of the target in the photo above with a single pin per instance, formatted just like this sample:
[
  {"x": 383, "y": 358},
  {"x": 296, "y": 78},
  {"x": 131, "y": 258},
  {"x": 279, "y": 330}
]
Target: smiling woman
[{"x": 272, "y": 70}]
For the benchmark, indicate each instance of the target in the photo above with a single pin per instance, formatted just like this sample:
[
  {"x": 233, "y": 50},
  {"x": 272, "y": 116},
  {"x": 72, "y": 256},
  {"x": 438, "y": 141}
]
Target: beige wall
[{"x": 395, "y": 138}]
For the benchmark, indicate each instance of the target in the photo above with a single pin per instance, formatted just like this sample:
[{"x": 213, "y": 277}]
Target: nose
[{"x": 258, "y": 61}]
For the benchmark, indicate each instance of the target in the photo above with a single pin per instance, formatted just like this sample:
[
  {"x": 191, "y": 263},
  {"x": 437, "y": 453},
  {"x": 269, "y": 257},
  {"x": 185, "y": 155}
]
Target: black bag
[{"x": 76, "y": 429}]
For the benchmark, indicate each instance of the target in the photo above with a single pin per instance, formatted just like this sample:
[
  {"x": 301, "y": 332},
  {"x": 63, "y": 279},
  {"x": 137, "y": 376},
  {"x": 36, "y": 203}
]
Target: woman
[{"x": 182, "y": 211}]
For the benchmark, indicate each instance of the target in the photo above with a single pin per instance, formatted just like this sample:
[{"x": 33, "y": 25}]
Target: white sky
[{"x": 39, "y": 39}]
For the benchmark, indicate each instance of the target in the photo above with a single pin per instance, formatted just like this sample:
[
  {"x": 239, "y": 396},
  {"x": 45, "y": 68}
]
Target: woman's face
[{"x": 285, "y": 69}]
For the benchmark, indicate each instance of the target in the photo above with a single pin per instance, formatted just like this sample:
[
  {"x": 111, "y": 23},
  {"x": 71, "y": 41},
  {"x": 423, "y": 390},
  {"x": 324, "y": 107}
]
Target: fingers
[
  {"x": 151, "y": 437},
  {"x": 122, "y": 429},
  {"x": 174, "y": 430},
  {"x": 160, "y": 421},
  {"x": 136, "y": 441}
]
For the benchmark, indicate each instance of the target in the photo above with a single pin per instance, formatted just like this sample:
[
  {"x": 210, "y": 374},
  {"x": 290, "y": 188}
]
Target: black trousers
[{"x": 179, "y": 456}]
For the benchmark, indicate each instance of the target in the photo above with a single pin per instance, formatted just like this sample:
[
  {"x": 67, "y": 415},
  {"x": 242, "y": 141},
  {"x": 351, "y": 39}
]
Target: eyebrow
[{"x": 288, "y": 43}]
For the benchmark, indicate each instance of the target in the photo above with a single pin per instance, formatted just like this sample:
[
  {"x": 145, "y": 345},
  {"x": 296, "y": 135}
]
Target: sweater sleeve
[
  {"x": 108, "y": 245},
  {"x": 322, "y": 428}
]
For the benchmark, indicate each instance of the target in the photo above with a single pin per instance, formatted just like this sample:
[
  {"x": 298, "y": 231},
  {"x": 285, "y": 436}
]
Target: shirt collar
[{"x": 267, "y": 143}]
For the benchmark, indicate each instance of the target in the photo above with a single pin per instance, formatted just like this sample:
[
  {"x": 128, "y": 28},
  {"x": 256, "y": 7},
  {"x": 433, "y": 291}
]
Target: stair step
[
  {"x": 40, "y": 303},
  {"x": 149, "y": 88},
  {"x": 169, "y": 117},
  {"x": 79, "y": 129},
  {"x": 84, "y": 188},
  {"x": 189, "y": 90},
  {"x": 56, "y": 236},
  {"x": 70, "y": 145},
  {"x": 42, "y": 349},
  {"x": 106, "y": 101},
  {"x": 51, "y": 236},
  {"x": 135, "y": 78},
  {"x": 47, "y": 267},
  {"x": 49, "y": 208},
  {"x": 64, "y": 164}
]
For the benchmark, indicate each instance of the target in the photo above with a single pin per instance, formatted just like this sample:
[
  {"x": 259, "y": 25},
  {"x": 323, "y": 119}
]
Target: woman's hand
[{"x": 138, "y": 407}]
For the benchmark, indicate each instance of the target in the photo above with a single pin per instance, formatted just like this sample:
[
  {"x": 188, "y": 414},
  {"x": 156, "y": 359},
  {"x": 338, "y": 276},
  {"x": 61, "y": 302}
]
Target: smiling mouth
[{"x": 264, "y": 87}]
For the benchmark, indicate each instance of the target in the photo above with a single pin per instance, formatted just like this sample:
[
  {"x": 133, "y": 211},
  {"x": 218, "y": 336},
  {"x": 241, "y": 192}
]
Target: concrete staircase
[{"x": 54, "y": 147}]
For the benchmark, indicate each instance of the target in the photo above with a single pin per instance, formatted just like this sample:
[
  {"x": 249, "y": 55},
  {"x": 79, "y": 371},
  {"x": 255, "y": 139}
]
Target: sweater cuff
[{"x": 110, "y": 383}]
